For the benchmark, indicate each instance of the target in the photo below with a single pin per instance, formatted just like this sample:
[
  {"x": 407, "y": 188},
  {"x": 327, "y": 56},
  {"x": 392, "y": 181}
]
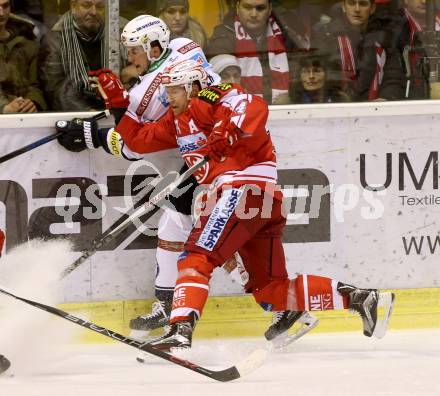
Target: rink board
[
  {"x": 240, "y": 316},
  {"x": 330, "y": 159}
]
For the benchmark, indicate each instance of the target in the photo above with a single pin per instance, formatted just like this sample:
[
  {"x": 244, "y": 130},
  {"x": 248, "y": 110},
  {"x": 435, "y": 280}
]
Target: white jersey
[{"x": 148, "y": 98}]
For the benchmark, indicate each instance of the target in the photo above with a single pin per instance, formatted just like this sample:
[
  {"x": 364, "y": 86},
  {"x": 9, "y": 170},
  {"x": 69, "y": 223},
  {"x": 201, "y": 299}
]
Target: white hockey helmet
[
  {"x": 185, "y": 73},
  {"x": 143, "y": 30}
]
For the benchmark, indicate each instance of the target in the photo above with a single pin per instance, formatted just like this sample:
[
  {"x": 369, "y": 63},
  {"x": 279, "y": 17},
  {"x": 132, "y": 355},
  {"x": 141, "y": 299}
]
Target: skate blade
[
  {"x": 183, "y": 353},
  {"x": 308, "y": 323},
  {"x": 252, "y": 362},
  {"x": 385, "y": 308}
]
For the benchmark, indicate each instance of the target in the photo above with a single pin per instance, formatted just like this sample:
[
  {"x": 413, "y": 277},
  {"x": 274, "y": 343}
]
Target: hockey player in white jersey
[{"x": 148, "y": 102}]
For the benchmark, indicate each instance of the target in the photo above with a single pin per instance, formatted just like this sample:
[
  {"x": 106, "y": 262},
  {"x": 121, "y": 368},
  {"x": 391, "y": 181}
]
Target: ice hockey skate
[
  {"x": 156, "y": 319},
  {"x": 277, "y": 332},
  {"x": 177, "y": 339},
  {"x": 4, "y": 364},
  {"x": 374, "y": 307}
]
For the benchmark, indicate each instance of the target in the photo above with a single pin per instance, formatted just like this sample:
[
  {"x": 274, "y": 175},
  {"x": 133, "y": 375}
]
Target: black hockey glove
[{"x": 78, "y": 134}]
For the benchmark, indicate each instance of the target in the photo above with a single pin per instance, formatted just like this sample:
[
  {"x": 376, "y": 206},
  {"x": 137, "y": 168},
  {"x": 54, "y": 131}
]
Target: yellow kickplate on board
[{"x": 240, "y": 316}]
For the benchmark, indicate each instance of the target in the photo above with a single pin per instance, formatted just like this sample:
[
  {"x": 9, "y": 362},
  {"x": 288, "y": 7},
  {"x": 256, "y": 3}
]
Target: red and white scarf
[
  {"x": 349, "y": 65},
  {"x": 415, "y": 27},
  {"x": 251, "y": 69}
]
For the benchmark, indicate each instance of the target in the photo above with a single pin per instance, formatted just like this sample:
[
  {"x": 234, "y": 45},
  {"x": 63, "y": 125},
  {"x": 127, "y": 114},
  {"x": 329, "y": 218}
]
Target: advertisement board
[{"x": 360, "y": 184}]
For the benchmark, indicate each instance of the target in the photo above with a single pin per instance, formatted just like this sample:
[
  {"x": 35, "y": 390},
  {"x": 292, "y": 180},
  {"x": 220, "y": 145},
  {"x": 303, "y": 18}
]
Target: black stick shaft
[
  {"x": 228, "y": 374},
  {"x": 40, "y": 142},
  {"x": 29, "y": 147}
]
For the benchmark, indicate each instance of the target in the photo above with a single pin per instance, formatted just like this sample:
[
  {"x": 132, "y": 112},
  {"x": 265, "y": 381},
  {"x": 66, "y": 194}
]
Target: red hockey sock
[
  {"x": 190, "y": 295},
  {"x": 317, "y": 293},
  {"x": 192, "y": 286}
]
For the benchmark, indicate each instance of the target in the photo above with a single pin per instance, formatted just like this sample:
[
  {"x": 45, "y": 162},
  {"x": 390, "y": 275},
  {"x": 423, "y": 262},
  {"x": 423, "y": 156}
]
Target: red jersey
[{"x": 253, "y": 159}]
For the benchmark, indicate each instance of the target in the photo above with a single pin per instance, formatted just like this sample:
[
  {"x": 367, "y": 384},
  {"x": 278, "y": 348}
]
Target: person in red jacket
[
  {"x": 4, "y": 362},
  {"x": 244, "y": 212}
]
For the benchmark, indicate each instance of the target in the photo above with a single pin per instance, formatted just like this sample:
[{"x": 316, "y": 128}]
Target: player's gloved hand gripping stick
[{"x": 44, "y": 140}]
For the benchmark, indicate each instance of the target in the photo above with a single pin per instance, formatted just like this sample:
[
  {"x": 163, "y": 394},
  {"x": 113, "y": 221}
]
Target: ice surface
[{"x": 403, "y": 363}]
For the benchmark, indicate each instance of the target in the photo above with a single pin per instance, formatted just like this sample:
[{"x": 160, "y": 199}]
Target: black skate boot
[
  {"x": 365, "y": 302},
  {"x": 157, "y": 318},
  {"x": 178, "y": 337},
  {"x": 4, "y": 364},
  {"x": 283, "y": 321}
]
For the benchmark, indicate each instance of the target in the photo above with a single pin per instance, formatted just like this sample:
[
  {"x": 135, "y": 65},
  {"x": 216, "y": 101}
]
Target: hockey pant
[{"x": 241, "y": 221}]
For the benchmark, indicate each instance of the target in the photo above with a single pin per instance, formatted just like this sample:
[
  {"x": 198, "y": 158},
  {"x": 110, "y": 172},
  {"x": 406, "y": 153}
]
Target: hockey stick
[
  {"x": 42, "y": 141},
  {"x": 253, "y": 361},
  {"x": 150, "y": 208}
]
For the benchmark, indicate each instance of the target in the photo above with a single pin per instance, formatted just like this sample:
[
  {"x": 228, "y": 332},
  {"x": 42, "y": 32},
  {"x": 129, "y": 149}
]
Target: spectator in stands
[
  {"x": 261, "y": 44},
  {"x": 364, "y": 50},
  {"x": 19, "y": 87},
  {"x": 413, "y": 48},
  {"x": 74, "y": 46},
  {"x": 227, "y": 67},
  {"x": 415, "y": 11},
  {"x": 175, "y": 14},
  {"x": 315, "y": 84}
]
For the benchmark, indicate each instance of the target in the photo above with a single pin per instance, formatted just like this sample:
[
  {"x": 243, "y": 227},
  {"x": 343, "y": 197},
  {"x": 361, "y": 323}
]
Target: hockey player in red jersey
[
  {"x": 229, "y": 126},
  {"x": 4, "y": 362},
  {"x": 147, "y": 102}
]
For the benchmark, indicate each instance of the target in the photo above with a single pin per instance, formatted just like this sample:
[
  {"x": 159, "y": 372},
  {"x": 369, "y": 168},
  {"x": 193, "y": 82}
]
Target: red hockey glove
[
  {"x": 222, "y": 139},
  {"x": 2, "y": 241},
  {"x": 110, "y": 88}
]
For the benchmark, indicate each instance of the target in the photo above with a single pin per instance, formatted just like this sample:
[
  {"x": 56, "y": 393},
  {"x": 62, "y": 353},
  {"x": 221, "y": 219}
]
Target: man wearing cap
[
  {"x": 227, "y": 67},
  {"x": 262, "y": 45}
]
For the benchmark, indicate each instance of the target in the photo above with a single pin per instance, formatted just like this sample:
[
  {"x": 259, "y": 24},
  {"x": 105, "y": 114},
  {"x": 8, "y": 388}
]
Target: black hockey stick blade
[
  {"x": 42, "y": 141},
  {"x": 145, "y": 211},
  {"x": 249, "y": 364}
]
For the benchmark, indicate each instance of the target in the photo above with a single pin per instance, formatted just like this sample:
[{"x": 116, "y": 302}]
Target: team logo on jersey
[
  {"x": 219, "y": 217},
  {"x": 209, "y": 95},
  {"x": 192, "y": 159},
  {"x": 149, "y": 94},
  {"x": 188, "y": 47},
  {"x": 190, "y": 143}
]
